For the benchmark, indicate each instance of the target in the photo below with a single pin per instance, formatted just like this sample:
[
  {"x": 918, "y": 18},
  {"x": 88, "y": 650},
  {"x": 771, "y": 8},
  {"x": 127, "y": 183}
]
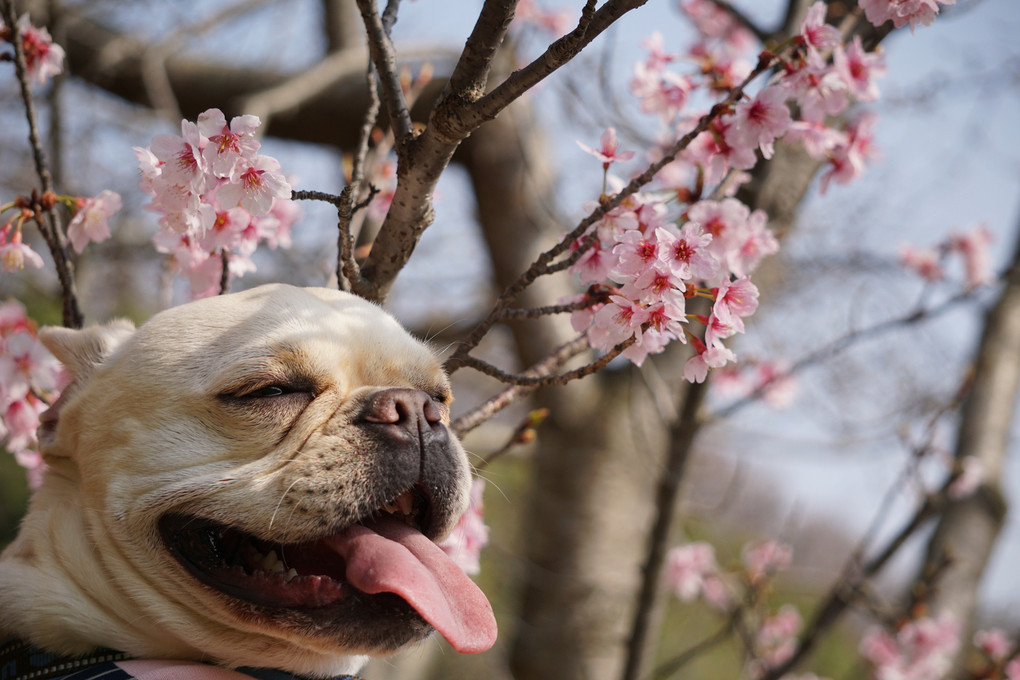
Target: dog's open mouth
[{"x": 386, "y": 553}]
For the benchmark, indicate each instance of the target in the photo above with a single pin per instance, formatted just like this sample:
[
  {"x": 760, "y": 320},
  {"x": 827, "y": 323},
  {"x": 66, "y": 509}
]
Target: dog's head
[{"x": 262, "y": 477}]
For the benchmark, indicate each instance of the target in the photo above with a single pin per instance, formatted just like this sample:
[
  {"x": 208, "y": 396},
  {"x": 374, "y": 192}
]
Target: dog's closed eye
[{"x": 270, "y": 391}]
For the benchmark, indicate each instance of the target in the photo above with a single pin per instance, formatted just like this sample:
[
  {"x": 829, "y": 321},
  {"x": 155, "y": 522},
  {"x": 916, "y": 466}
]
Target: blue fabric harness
[{"x": 19, "y": 660}]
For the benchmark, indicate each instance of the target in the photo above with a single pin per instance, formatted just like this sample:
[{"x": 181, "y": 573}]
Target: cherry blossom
[
  {"x": 820, "y": 90},
  {"x": 609, "y": 152},
  {"x": 696, "y": 368},
  {"x": 920, "y": 650},
  {"x": 254, "y": 186},
  {"x": 776, "y": 639},
  {"x": 617, "y": 321},
  {"x": 764, "y": 558},
  {"x": 859, "y": 69},
  {"x": 847, "y": 160},
  {"x": 734, "y": 300},
  {"x": 26, "y": 366},
  {"x": 994, "y": 643},
  {"x": 688, "y": 567},
  {"x": 181, "y": 161},
  {"x": 687, "y": 253},
  {"x": 28, "y": 374},
  {"x": 43, "y": 58},
  {"x": 759, "y": 121},
  {"x": 972, "y": 245},
  {"x": 91, "y": 222},
  {"x": 215, "y": 194},
  {"x": 660, "y": 91},
  {"x": 464, "y": 545},
  {"x": 926, "y": 263},
  {"x": 902, "y": 12},
  {"x": 15, "y": 254},
  {"x": 228, "y": 146},
  {"x": 771, "y": 379},
  {"x": 817, "y": 34}
]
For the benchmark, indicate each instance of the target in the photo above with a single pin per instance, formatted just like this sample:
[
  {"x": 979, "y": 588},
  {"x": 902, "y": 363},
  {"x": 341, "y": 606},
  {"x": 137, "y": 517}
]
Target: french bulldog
[{"x": 255, "y": 479}]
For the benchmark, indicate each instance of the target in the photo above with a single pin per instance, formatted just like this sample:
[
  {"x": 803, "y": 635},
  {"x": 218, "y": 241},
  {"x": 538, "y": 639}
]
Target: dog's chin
[{"x": 301, "y": 587}]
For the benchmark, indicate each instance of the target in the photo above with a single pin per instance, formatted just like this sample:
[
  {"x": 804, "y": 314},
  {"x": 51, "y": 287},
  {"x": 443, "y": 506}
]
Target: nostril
[
  {"x": 431, "y": 411},
  {"x": 400, "y": 406}
]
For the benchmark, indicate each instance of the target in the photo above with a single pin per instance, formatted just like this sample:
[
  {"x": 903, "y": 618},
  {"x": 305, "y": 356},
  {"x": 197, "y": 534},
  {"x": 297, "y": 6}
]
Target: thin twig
[
  {"x": 525, "y": 380},
  {"x": 841, "y": 344},
  {"x": 536, "y": 312},
  {"x": 385, "y": 61},
  {"x": 50, "y": 228},
  {"x": 224, "y": 271},
  {"x": 673, "y": 665},
  {"x": 332, "y": 199},
  {"x": 842, "y": 593},
  {"x": 513, "y": 393}
]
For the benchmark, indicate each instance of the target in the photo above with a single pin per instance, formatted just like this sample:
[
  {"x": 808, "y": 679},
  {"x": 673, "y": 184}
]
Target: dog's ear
[{"x": 80, "y": 351}]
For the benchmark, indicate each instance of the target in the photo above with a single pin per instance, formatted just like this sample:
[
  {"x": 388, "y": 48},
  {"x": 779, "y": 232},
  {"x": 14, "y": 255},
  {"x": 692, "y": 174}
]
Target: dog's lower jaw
[{"x": 83, "y": 604}]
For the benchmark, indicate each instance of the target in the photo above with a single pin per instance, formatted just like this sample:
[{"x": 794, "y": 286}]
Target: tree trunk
[{"x": 958, "y": 551}]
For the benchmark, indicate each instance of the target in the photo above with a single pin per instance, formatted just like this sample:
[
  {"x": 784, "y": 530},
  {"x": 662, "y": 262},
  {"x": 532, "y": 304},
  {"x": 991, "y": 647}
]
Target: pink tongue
[{"x": 391, "y": 557}]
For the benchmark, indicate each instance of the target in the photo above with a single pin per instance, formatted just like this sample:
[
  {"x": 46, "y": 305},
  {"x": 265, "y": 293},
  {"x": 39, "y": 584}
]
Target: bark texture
[{"x": 965, "y": 534}]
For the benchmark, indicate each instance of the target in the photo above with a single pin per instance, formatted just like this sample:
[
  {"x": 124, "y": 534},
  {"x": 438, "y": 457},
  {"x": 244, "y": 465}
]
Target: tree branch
[
  {"x": 545, "y": 367},
  {"x": 682, "y": 434},
  {"x": 385, "y": 60},
  {"x": 590, "y": 26},
  {"x": 967, "y": 531},
  {"x": 49, "y": 226},
  {"x": 467, "y": 82},
  {"x": 742, "y": 19}
]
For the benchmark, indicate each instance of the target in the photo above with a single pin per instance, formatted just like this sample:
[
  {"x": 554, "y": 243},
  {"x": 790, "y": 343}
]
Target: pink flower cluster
[
  {"x": 920, "y": 650},
  {"x": 653, "y": 266},
  {"x": 823, "y": 78},
  {"x": 30, "y": 379},
  {"x": 776, "y": 639},
  {"x": 997, "y": 649},
  {"x": 43, "y": 58},
  {"x": 902, "y": 12},
  {"x": 972, "y": 248},
  {"x": 649, "y": 261},
  {"x": 692, "y": 572},
  {"x": 464, "y": 545},
  {"x": 215, "y": 194}
]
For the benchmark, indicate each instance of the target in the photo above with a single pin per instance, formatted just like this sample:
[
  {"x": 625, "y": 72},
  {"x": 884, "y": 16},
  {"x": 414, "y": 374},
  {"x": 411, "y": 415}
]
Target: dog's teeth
[
  {"x": 391, "y": 508},
  {"x": 406, "y": 503},
  {"x": 290, "y": 575},
  {"x": 271, "y": 562}
]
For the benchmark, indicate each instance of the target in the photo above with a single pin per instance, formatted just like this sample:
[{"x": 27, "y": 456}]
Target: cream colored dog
[{"x": 254, "y": 479}]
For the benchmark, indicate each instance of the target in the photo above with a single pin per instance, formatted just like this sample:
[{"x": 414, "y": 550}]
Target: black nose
[{"x": 404, "y": 412}]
